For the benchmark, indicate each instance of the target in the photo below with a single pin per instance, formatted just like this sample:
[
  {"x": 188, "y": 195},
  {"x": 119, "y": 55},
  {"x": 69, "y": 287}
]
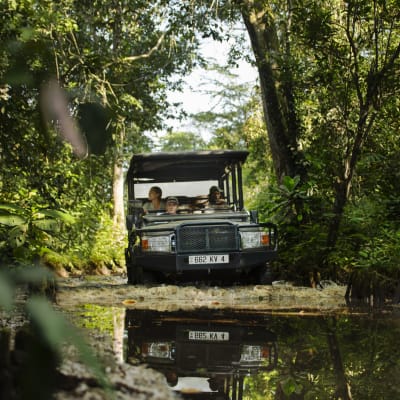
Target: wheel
[
  {"x": 148, "y": 277},
  {"x": 265, "y": 275},
  {"x": 136, "y": 276},
  {"x": 131, "y": 279},
  {"x": 131, "y": 268}
]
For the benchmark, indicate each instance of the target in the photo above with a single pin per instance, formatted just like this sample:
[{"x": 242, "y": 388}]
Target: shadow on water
[{"x": 230, "y": 355}]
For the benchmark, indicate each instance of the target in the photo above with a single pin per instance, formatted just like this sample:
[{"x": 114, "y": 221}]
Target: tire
[
  {"x": 136, "y": 276},
  {"x": 265, "y": 275},
  {"x": 129, "y": 273},
  {"x": 128, "y": 267},
  {"x": 148, "y": 277}
]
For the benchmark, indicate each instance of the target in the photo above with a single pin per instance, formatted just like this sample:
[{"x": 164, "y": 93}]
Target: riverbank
[{"x": 279, "y": 297}]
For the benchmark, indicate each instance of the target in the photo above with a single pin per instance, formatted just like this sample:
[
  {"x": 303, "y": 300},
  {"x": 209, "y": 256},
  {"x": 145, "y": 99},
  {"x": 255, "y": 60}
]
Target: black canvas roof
[{"x": 183, "y": 166}]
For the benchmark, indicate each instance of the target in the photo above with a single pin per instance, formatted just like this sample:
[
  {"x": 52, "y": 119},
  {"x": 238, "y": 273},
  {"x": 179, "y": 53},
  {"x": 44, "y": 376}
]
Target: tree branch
[{"x": 145, "y": 55}]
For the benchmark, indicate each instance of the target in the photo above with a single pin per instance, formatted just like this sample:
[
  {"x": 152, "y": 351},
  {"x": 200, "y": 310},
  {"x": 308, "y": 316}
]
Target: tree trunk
[
  {"x": 343, "y": 391},
  {"x": 118, "y": 195},
  {"x": 369, "y": 99},
  {"x": 118, "y": 174},
  {"x": 342, "y": 188},
  {"x": 277, "y": 92}
]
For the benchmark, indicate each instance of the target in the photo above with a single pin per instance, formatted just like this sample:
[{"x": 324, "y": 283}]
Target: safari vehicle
[{"x": 200, "y": 242}]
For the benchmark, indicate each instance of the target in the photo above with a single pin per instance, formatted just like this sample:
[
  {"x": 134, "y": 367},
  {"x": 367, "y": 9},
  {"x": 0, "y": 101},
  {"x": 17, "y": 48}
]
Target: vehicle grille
[{"x": 199, "y": 238}]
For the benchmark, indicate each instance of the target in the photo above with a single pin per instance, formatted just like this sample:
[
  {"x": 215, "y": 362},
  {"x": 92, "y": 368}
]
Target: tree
[
  {"x": 114, "y": 61},
  {"x": 182, "y": 141},
  {"x": 230, "y": 111},
  {"x": 327, "y": 73}
]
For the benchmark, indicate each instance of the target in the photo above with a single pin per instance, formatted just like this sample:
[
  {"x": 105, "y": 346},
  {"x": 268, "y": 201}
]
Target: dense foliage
[
  {"x": 329, "y": 89},
  {"x": 113, "y": 62},
  {"x": 321, "y": 126}
]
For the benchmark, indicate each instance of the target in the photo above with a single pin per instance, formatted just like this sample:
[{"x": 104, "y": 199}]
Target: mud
[{"x": 279, "y": 297}]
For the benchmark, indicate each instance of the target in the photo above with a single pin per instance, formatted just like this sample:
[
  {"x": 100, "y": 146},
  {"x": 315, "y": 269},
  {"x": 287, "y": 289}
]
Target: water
[{"x": 228, "y": 354}]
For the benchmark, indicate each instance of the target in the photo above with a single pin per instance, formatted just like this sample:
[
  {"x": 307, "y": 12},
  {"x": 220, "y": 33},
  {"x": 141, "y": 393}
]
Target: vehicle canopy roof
[{"x": 183, "y": 166}]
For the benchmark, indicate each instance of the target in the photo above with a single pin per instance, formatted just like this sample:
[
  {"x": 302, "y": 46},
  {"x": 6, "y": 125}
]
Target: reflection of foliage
[
  {"x": 367, "y": 347},
  {"x": 97, "y": 317},
  {"x": 260, "y": 386},
  {"x": 306, "y": 370}
]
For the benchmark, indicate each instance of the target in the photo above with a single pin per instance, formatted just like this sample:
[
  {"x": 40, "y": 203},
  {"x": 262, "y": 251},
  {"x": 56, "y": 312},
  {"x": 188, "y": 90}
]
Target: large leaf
[
  {"x": 34, "y": 275},
  {"x": 12, "y": 219},
  {"x": 11, "y": 207},
  {"x": 289, "y": 183},
  {"x": 57, "y": 331},
  {"x": 57, "y": 214},
  {"x": 17, "y": 235},
  {"x": 50, "y": 225},
  {"x": 290, "y": 386}
]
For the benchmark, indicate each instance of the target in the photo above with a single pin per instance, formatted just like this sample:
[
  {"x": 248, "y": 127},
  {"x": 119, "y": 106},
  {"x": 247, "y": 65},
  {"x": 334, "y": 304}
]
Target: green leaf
[
  {"x": 290, "y": 183},
  {"x": 132, "y": 101},
  {"x": 12, "y": 220},
  {"x": 59, "y": 215},
  {"x": 11, "y": 207},
  {"x": 17, "y": 235},
  {"x": 289, "y": 386},
  {"x": 34, "y": 275},
  {"x": 57, "y": 331},
  {"x": 52, "y": 325},
  {"x": 50, "y": 225}
]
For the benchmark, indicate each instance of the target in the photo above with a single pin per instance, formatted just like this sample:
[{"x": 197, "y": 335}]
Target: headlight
[
  {"x": 164, "y": 350},
  {"x": 156, "y": 243},
  {"x": 254, "y": 239},
  {"x": 254, "y": 353}
]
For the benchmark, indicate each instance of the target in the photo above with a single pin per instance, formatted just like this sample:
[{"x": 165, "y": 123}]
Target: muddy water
[{"x": 256, "y": 342}]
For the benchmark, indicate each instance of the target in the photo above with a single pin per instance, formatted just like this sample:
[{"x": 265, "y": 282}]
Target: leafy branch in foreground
[{"x": 40, "y": 343}]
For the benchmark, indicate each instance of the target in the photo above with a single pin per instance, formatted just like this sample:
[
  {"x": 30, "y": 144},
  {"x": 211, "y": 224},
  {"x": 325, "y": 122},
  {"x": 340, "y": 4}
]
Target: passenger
[
  {"x": 155, "y": 202},
  {"x": 215, "y": 197},
  {"x": 172, "y": 205}
]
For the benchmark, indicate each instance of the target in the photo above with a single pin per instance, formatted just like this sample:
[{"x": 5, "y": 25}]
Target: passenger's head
[
  {"x": 172, "y": 204},
  {"x": 155, "y": 193},
  {"x": 215, "y": 193}
]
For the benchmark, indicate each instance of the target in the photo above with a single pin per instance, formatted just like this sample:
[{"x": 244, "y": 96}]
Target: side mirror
[{"x": 254, "y": 216}]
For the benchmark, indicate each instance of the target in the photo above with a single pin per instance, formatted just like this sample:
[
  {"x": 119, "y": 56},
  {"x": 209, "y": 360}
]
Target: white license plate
[
  {"x": 209, "y": 259},
  {"x": 209, "y": 336}
]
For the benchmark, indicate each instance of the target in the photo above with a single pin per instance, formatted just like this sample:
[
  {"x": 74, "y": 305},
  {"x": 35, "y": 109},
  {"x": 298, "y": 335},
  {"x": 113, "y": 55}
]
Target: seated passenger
[
  {"x": 172, "y": 204},
  {"x": 155, "y": 202},
  {"x": 215, "y": 197}
]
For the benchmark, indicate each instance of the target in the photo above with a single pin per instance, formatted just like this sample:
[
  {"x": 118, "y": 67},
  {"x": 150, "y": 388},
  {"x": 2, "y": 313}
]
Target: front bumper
[{"x": 175, "y": 263}]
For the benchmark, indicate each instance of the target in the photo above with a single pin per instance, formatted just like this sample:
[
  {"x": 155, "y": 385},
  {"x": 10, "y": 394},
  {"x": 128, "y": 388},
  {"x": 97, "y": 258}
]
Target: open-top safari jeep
[{"x": 222, "y": 242}]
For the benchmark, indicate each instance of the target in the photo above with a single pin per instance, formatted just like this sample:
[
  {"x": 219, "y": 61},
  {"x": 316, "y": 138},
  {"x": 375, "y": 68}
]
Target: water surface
[{"x": 243, "y": 354}]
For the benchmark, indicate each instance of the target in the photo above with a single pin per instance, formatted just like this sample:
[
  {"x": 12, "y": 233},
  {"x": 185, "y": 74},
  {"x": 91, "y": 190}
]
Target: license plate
[
  {"x": 209, "y": 336},
  {"x": 209, "y": 259}
]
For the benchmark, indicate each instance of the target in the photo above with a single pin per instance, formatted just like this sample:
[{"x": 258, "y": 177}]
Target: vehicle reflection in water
[{"x": 202, "y": 356}]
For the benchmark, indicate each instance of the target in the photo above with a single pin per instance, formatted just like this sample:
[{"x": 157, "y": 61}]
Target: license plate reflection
[{"x": 209, "y": 336}]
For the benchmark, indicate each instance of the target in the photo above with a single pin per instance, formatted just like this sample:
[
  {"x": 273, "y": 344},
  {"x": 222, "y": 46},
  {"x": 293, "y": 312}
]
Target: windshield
[{"x": 191, "y": 189}]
